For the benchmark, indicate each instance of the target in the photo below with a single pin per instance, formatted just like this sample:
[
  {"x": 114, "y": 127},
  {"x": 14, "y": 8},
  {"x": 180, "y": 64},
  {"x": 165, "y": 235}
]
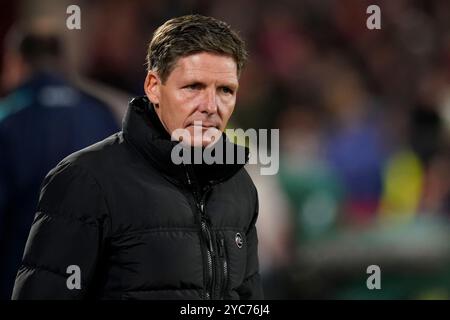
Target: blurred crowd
[{"x": 364, "y": 119}]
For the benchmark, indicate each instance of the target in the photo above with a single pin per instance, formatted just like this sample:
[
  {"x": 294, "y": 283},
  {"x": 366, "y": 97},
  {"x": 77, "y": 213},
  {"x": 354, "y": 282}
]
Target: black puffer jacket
[{"x": 139, "y": 226}]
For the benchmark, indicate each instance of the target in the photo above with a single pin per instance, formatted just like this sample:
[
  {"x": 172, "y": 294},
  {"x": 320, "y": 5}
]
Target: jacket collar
[{"x": 142, "y": 128}]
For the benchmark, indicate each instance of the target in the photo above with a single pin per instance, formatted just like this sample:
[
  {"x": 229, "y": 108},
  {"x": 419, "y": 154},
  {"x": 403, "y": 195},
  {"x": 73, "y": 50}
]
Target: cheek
[
  {"x": 179, "y": 109},
  {"x": 225, "y": 112},
  {"x": 226, "y": 107},
  {"x": 185, "y": 101}
]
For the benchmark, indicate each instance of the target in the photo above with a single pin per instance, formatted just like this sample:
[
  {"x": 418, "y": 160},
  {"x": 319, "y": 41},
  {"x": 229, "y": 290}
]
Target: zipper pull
[
  {"x": 208, "y": 235},
  {"x": 221, "y": 247},
  {"x": 188, "y": 177}
]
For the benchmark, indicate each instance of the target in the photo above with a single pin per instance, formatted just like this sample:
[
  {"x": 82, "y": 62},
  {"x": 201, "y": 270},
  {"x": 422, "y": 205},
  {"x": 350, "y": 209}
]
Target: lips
[{"x": 204, "y": 124}]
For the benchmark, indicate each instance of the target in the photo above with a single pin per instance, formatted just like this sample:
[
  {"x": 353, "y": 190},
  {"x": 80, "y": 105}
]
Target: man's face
[{"x": 201, "y": 87}]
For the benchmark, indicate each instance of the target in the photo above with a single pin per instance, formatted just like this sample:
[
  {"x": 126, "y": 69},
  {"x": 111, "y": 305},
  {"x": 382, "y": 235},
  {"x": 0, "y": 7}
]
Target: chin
[
  {"x": 201, "y": 143},
  {"x": 204, "y": 137}
]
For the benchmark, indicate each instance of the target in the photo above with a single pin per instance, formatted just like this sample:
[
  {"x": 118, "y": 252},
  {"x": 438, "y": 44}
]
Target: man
[
  {"x": 121, "y": 220},
  {"x": 43, "y": 119}
]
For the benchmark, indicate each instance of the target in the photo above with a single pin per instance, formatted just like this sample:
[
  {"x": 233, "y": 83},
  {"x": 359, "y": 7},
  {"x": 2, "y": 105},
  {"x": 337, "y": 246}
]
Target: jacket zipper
[
  {"x": 210, "y": 250},
  {"x": 224, "y": 267},
  {"x": 206, "y": 234}
]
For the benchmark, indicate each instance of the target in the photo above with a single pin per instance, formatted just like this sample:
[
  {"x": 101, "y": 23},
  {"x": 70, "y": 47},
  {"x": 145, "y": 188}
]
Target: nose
[{"x": 209, "y": 102}]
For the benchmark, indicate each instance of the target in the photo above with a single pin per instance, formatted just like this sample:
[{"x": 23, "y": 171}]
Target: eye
[
  {"x": 227, "y": 90},
  {"x": 193, "y": 86}
]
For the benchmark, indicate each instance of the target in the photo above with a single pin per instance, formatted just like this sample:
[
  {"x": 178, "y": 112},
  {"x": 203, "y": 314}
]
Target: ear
[{"x": 152, "y": 86}]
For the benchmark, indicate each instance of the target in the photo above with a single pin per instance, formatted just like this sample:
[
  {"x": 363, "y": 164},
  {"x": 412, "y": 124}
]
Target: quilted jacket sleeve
[
  {"x": 251, "y": 288},
  {"x": 66, "y": 238}
]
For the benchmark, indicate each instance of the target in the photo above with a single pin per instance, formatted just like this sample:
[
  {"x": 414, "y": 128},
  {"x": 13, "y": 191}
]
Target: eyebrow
[{"x": 230, "y": 84}]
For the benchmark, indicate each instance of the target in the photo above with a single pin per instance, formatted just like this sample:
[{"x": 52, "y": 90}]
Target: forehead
[{"x": 205, "y": 66}]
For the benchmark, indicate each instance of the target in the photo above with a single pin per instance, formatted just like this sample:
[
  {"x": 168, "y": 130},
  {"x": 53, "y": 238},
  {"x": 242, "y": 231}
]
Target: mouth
[{"x": 204, "y": 125}]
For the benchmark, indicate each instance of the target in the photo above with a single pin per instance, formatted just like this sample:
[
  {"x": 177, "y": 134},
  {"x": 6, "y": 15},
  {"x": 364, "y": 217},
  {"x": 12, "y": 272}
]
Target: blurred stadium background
[{"x": 364, "y": 119}]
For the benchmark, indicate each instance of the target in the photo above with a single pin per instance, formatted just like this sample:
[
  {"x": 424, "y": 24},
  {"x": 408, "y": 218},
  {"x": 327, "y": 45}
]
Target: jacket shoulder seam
[
  {"x": 39, "y": 214},
  {"x": 28, "y": 265}
]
